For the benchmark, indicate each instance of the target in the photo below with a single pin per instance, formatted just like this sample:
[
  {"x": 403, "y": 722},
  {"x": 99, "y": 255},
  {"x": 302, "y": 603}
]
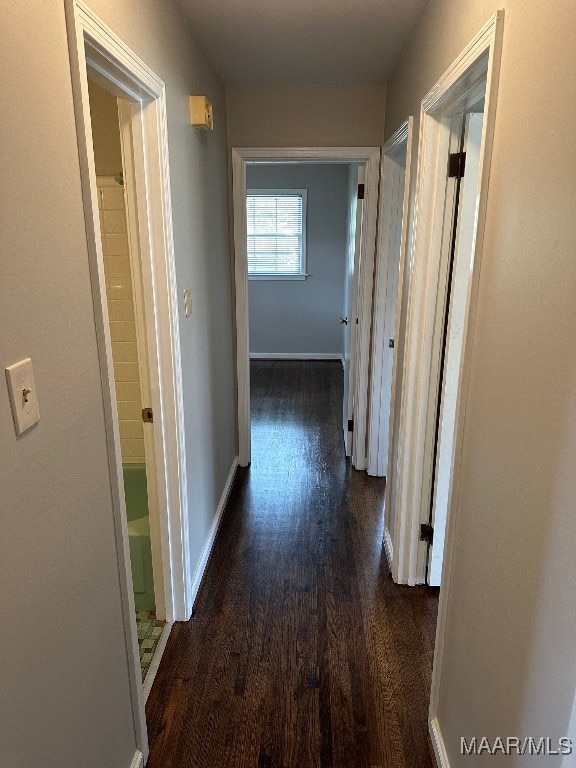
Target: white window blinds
[{"x": 275, "y": 225}]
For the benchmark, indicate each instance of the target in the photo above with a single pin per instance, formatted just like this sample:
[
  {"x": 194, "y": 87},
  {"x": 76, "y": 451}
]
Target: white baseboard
[
  {"x": 295, "y": 356},
  {"x": 438, "y": 744},
  {"x": 137, "y": 760},
  {"x": 153, "y": 668},
  {"x": 388, "y": 548},
  {"x": 207, "y": 551}
]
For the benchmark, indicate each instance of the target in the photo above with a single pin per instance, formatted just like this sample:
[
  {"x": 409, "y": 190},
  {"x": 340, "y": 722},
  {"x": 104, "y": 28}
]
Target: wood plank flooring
[{"x": 302, "y": 652}]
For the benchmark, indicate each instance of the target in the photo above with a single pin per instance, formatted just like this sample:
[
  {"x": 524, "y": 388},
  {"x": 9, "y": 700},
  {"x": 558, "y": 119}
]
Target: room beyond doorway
[
  {"x": 241, "y": 159},
  {"x": 304, "y": 224}
]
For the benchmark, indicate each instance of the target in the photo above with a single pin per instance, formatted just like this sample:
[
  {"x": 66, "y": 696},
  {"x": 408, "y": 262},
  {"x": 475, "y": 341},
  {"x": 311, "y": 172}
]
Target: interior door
[
  {"x": 463, "y": 236},
  {"x": 385, "y": 302},
  {"x": 349, "y": 318}
]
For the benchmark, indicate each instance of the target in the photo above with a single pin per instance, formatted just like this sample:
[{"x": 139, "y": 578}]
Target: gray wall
[
  {"x": 65, "y": 695},
  {"x": 509, "y": 661},
  {"x": 301, "y": 316},
  {"x": 306, "y": 115}
]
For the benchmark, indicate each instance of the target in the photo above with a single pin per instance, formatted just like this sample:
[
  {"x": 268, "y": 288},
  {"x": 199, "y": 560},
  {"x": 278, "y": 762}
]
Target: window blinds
[{"x": 274, "y": 234}]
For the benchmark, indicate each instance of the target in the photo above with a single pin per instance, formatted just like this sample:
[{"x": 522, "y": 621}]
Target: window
[{"x": 276, "y": 225}]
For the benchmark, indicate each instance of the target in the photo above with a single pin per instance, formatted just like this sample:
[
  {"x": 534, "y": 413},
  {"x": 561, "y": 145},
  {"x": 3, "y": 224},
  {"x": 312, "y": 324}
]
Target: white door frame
[
  {"x": 479, "y": 62},
  {"x": 240, "y": 157},
  {"x": 402, "y": 138},
  {"x": 93, "y": 44}
]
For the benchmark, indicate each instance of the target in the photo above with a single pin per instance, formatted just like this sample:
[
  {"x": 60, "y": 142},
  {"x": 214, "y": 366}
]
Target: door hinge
[
  {"x": 360, "y": 191},
  {"x": 426, "y": 533},
  {"x": 391, "y": 343},
  {"x": 456, "y": 165},
  {"x": 350, "y": 425},
  {"x": 147, "y": 415}
]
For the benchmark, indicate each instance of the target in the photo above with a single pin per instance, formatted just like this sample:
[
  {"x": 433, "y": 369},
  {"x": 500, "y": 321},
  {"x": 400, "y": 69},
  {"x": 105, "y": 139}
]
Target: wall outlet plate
[{"x": 23, "y": 398}]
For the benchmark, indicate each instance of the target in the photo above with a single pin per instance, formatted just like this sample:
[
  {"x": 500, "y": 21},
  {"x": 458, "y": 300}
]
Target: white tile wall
[{"x": 121, "y": 312}]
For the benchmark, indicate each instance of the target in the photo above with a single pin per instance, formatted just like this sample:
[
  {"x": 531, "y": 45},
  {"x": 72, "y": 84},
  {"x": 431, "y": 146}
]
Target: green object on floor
[
  {"x": 135, "y": 491},
  {"x": 149, "y": 633}
]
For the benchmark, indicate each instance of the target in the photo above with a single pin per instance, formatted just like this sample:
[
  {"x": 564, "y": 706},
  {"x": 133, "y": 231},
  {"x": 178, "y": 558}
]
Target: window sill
[{"x": 277, "y": 277}]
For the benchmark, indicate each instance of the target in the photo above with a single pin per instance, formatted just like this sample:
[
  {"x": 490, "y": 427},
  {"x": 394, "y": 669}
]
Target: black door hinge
[
  {"x": 456, "y": 165},
  {"x": 350, "y": 425},
  {"x": 360, "y": 191},
  {"x": 426, "y": 533},
  {"x": 147, "y": 415}
]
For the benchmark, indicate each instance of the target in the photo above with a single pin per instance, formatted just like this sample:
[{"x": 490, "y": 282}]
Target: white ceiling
[{"x": 303, "y": 42}]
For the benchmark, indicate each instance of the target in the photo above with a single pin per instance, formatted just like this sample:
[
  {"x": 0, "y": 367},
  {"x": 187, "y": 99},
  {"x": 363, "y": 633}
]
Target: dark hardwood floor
[{"x": 302, "y": 651}]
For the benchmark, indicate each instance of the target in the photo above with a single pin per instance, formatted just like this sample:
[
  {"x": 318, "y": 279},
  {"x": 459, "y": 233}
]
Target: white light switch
[
  {"x": 187, "y": 302},
  {"x": 22, "y": 390}
]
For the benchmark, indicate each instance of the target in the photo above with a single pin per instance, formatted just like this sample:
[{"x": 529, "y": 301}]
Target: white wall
[
  {"x": 65, "y": 694},
  {"x": 509, "y": 659},
  {"x": 302, "y": 316}
]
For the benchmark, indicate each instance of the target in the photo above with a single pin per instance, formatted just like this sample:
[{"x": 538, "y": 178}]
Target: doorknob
[{"x": 343, "y": 321}]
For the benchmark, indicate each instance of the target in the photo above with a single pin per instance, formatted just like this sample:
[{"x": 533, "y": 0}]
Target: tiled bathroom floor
[{"x": 149, "y": 633}]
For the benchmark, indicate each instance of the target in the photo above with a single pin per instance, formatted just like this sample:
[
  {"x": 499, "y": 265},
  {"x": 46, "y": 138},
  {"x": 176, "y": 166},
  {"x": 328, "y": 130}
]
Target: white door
[
  {"x": 455, "y": 321},
  {"x": 142, "y": 322},
  {"x": 385, "y": 304},
  {"x": 349, "y": 318}
]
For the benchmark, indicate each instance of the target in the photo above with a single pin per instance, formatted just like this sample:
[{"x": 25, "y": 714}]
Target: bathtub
[{"x": 136, "y": 494}]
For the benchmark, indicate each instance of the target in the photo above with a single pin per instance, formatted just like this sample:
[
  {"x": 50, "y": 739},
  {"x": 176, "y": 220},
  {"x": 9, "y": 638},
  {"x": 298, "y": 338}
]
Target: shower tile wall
[{"x": 122, "y": 319}]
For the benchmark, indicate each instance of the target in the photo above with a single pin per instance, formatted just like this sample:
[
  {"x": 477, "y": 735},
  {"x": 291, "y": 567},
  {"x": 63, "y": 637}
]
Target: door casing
[
  {"x": 382, "y": 458},
  {"x": 240, "y": 157},
  {"x": 92, "y": 44},
  {"x": 479, "y": 63}
]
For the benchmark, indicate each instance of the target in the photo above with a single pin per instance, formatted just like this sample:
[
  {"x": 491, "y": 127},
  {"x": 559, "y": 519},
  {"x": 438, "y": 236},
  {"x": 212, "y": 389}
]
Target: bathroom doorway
[
  {"x": 126, "y": 306},
  {"x": 98, "y": 55}
]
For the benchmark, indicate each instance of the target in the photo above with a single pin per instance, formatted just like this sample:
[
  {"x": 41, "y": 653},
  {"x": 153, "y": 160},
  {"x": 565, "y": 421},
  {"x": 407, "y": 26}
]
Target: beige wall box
[{"x": 201, "y": 115}]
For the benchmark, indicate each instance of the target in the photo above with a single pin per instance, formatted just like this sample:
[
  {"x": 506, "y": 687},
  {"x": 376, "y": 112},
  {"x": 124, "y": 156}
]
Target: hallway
[{"x": 302, "y": 651}]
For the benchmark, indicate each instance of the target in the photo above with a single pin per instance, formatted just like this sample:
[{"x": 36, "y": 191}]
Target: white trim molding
[
  {"x": 137, "y": 760},
  {"x": 438, "y": 744},
  {"x": 158, "y": 653},
  {"x": 388, "y": 548},
  {"x": 213, "y": 533},
  {"x": 240, "y": 158},
  {"x": 296, "y": 356}
]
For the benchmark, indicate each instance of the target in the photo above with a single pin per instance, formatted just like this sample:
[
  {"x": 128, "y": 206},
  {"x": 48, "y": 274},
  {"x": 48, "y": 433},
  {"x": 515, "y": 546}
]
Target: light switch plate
[
  {"x": 23, "y": 397},
  {"x": 187, "y": 302}
]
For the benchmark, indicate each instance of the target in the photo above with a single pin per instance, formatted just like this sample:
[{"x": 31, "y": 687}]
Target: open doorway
[
  {"x": 97, "y": 53},
  {"x": 460, "y": 225},
  {"x": 354, "y": 307},
  {"x": 304, "y": 224},
  {"x": 457, "y": 123},
  {"x": 126, "y": 304}
]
